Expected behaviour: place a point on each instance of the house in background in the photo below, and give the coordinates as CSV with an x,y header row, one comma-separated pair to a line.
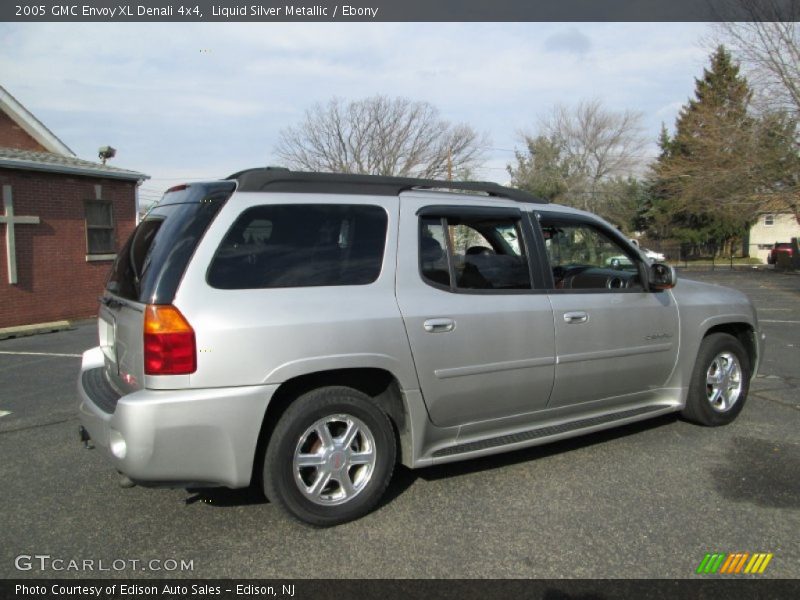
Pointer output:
x,y
771,228
62,221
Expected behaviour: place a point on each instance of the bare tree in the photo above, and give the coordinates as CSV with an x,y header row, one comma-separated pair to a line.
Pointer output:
x,y
769,47
589,144
380,136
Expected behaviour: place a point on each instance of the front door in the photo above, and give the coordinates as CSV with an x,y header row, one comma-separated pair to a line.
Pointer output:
x,y
615,340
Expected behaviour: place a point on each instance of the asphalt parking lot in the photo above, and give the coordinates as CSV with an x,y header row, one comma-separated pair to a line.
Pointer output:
x,y
648,500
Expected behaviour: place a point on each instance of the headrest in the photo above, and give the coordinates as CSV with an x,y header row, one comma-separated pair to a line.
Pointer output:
x,y
473,250
431,250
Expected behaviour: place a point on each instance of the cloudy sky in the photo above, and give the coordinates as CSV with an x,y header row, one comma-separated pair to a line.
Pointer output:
x,y
197,101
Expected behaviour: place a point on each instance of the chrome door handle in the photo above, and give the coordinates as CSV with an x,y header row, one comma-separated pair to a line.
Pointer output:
x,y
439,325
576,317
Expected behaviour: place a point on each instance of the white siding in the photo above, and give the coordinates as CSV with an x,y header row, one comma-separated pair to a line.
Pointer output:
x,y
762,236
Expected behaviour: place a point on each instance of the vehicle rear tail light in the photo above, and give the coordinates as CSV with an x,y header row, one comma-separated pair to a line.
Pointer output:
x,y
169,344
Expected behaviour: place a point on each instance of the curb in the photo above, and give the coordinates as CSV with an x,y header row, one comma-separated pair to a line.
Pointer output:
x,y
34,329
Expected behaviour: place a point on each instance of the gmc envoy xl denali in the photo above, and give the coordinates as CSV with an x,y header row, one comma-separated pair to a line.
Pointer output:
x,y
305,331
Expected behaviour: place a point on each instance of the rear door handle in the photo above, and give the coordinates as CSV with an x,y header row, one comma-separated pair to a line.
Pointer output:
x,y
576,317
439,325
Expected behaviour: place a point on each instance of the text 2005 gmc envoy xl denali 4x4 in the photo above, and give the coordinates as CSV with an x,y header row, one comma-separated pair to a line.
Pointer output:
x,y
305,331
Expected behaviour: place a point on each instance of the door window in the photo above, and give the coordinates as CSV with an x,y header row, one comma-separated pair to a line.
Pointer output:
x,y
583,256
473,253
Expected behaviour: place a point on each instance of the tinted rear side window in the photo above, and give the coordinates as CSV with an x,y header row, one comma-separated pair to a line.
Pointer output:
x,y
130,267
152,262
301,245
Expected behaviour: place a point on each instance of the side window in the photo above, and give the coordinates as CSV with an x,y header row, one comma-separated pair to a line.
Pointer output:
x,y
301,245
583,256
473,253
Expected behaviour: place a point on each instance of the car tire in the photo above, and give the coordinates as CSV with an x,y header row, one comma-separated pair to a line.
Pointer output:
x,y
314,472
720,381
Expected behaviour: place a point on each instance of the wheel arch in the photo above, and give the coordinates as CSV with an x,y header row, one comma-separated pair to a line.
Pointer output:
x,y
381,385
698,406
745,333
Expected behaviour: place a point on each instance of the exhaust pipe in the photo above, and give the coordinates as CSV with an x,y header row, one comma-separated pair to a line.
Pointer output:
x,y
85,438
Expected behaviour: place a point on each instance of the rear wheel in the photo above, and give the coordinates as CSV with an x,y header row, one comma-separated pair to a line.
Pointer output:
x,y
330,456
720,381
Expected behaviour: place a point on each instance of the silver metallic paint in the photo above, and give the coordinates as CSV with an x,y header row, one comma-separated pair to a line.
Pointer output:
x,y
492,375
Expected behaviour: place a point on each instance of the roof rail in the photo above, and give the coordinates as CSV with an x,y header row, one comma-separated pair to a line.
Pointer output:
x,y
277,179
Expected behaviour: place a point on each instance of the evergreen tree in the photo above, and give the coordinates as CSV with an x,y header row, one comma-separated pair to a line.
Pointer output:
x,y
722,165
541,169
698,173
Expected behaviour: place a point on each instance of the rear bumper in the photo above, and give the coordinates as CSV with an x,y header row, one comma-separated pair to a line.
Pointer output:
x,y
175,436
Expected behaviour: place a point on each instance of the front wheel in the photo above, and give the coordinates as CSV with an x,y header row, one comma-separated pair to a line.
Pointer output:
x,y
330,456
720,381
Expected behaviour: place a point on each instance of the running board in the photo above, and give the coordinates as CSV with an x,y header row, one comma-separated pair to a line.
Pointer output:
x,y
533,434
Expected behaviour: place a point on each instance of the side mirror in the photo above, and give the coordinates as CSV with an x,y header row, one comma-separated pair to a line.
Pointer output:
x,y
662,277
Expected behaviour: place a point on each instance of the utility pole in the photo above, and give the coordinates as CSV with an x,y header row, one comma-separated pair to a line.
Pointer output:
x,y
449,163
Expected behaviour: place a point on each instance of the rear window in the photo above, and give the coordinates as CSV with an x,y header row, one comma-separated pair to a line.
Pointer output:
x,y
131,264
301,245
150,266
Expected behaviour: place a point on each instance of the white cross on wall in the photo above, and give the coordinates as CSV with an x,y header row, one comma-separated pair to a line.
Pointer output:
x,y
10,220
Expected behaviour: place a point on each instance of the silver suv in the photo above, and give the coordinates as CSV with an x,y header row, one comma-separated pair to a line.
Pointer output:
x,y
306,331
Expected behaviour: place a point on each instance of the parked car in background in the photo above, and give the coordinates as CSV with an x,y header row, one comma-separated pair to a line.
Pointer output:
x,y
651,254
778,248
621,261
305,332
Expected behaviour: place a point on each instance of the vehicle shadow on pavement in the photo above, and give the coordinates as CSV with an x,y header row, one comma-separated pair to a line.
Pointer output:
x,y
760,472
497,461
223,497
403,477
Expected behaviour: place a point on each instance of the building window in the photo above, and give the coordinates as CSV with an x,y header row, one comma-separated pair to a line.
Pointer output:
x,y
769,220
99,227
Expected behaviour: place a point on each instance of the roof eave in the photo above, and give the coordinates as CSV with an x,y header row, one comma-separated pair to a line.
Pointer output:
x,y
28,165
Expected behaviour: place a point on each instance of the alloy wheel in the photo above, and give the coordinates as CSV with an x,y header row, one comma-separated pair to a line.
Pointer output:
x,y
724,381
334,459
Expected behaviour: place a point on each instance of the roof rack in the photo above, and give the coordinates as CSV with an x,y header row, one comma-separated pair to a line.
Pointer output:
x,y
277,179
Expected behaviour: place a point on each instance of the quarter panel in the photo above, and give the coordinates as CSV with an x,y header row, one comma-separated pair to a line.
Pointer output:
x,y
255,336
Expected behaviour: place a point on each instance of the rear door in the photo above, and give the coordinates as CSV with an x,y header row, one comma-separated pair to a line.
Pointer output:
x,y
481,333
148,270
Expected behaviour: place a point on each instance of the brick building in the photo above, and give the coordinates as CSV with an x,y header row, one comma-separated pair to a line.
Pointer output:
x,y
61,222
